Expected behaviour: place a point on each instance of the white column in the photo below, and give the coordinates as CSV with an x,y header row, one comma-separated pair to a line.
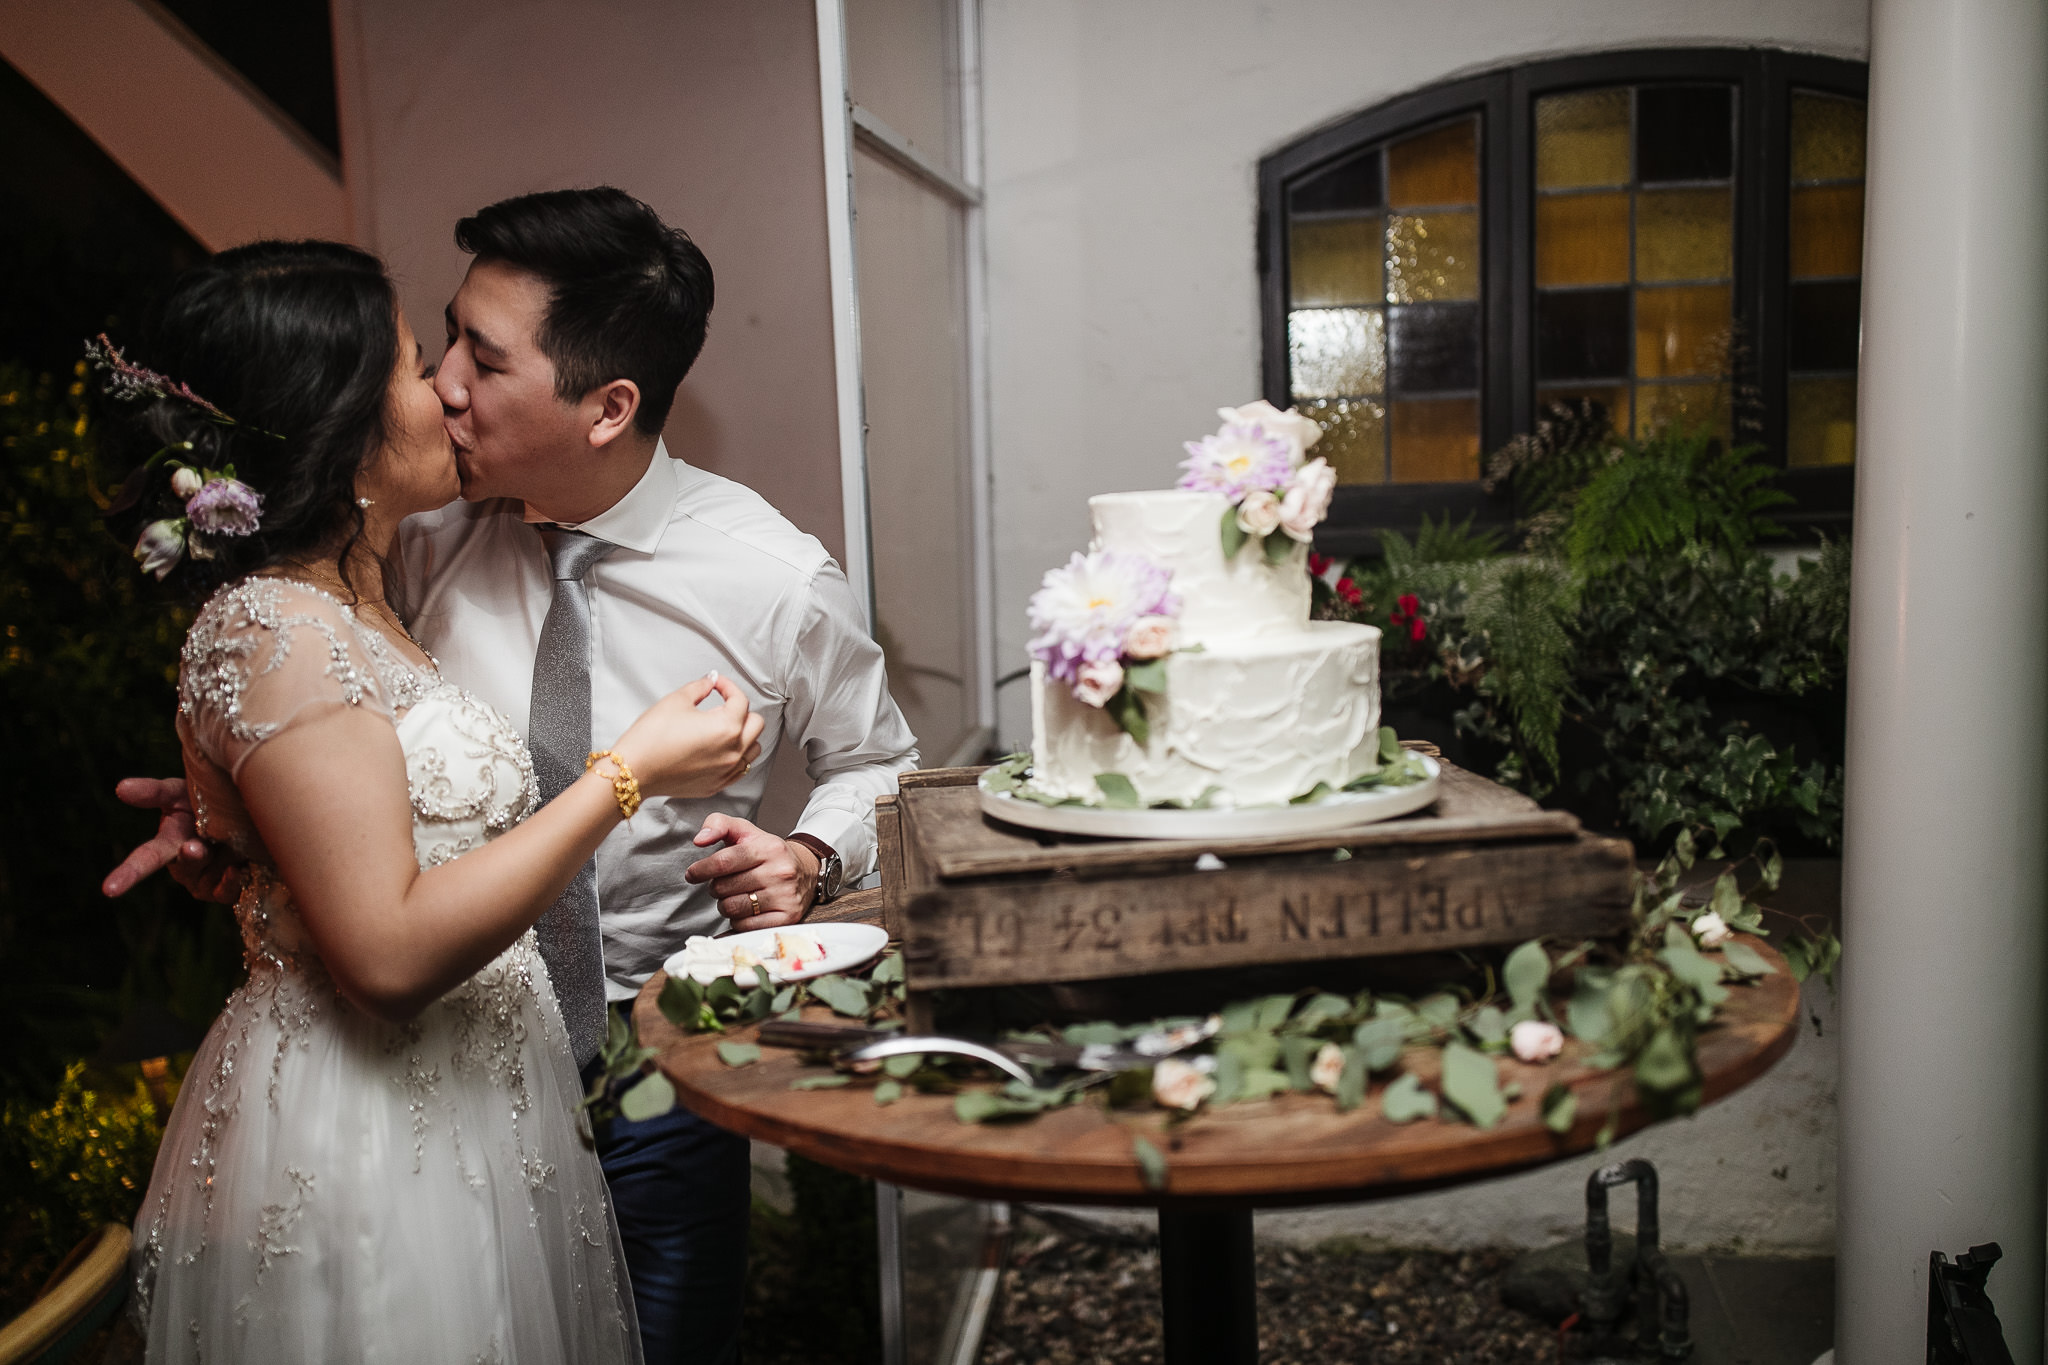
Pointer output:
x,y
1943,897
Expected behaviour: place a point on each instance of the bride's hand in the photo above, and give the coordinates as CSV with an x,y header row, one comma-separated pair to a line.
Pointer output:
x,y
677,749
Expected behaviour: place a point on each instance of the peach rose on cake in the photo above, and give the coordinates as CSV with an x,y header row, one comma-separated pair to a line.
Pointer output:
x,y
1307,499
1150,637
1259,513
1099,680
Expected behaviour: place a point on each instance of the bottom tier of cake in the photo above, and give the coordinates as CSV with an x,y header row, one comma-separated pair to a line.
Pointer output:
x,y
1264,719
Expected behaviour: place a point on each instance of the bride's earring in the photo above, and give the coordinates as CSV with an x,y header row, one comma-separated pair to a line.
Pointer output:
x,y
362,502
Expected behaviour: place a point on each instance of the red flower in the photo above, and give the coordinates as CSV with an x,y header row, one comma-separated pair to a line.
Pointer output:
x,y
1348,590
1408,613
1318,564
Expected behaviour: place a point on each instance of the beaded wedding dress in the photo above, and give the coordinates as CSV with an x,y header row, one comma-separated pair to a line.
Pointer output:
x,y
332,1187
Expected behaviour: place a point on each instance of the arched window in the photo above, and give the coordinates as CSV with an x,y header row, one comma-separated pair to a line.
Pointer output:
x,y
1666,234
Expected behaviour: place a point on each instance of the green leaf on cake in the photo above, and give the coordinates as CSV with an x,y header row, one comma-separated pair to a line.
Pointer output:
x,y
1390,744
1233,534
1277,547
1117,791
1128,711
1149,676
1315,793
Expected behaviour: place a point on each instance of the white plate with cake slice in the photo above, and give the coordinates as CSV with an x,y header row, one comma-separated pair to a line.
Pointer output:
x,y
1327,814
796,953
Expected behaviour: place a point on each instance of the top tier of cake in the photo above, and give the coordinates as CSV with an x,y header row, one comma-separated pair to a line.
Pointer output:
x,y
1220,599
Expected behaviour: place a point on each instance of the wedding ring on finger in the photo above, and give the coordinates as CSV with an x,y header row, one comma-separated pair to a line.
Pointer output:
x,y
753,902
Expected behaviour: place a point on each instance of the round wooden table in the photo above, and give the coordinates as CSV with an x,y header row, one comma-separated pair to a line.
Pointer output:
x,y
1290,1149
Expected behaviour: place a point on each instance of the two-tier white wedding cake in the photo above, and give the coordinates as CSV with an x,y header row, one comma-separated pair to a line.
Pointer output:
x,y
1178,653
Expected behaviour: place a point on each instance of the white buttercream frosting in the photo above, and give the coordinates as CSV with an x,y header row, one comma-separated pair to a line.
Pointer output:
x,y
1183,531
1264,716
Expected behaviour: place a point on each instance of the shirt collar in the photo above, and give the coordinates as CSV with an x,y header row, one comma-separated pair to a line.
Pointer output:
x,y
636,521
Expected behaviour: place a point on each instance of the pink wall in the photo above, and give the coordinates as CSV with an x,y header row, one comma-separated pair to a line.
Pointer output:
x,y
707,110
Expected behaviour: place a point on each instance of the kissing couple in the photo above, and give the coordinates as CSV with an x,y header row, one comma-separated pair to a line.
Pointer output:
x,y
481,679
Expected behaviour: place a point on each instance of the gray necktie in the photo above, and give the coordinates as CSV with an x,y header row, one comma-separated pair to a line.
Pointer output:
x,y
558,732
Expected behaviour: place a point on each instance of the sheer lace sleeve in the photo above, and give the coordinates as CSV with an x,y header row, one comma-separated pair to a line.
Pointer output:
x,y
265,655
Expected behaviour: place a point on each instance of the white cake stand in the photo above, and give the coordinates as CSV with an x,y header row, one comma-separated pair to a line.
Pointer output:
x,y
1326,814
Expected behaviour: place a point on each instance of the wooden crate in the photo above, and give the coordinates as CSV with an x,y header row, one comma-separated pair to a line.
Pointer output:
x,y
982,903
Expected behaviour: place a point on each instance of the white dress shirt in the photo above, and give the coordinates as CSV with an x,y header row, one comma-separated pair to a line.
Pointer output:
x,y
706,575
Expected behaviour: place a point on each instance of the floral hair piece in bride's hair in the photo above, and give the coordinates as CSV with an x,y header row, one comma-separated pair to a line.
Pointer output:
x,y
216,503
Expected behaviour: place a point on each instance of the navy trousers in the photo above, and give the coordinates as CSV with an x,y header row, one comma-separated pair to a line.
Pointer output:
x,y
682,1188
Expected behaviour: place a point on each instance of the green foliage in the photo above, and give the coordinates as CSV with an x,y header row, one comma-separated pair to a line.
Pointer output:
x,y
1620,499
67,1168
1519,611
88,665
1640,657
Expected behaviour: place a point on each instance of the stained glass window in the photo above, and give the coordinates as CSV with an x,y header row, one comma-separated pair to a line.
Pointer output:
x,y
1823,290
1674,235
1383,295
1635,250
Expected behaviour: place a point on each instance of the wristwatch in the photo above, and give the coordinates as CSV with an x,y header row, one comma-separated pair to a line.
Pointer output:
x,y
831,871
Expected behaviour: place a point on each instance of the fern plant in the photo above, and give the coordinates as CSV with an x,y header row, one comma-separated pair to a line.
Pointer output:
x,y
1621,498
1640,619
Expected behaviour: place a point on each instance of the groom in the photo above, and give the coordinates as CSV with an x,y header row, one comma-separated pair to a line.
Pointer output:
x,y
585,574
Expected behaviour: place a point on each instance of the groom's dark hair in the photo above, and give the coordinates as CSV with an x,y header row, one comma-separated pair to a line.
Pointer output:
x,y
629,296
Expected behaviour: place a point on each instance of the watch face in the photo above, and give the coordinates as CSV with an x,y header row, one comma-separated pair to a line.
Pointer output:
x,y
829,873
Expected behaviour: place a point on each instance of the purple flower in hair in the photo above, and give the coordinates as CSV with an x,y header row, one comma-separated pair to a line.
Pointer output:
x,y
1242,458
225,507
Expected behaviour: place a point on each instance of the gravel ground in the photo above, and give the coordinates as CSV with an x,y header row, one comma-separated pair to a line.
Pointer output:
x,y
1072,1297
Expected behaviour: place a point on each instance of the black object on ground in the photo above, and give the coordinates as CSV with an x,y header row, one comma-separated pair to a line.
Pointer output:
x,y
1962,1323
1643,1310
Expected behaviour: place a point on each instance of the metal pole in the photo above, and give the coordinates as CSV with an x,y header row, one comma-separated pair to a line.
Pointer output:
x,y
889,1251
1943,886
1206,1288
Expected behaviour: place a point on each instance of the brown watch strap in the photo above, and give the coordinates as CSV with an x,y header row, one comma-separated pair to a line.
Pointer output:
x,y
824,851
815,845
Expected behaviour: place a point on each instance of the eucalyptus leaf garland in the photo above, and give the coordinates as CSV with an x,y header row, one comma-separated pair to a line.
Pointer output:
x,y
1637,1006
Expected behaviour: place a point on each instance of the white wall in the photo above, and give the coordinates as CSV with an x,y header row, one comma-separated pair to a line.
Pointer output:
x,y
1123,139
707,111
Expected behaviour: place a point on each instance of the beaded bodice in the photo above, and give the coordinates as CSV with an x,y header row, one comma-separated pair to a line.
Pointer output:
x,y
267,654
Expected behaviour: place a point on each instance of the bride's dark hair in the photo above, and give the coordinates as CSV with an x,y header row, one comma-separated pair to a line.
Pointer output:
x,y
296,342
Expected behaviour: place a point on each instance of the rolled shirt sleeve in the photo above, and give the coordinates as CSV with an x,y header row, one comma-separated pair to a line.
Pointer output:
x,y
854,738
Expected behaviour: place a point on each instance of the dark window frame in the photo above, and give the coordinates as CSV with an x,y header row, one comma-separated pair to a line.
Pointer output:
x,y
1764,79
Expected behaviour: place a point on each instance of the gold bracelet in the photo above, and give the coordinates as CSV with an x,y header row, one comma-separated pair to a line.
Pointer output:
x,y
625,787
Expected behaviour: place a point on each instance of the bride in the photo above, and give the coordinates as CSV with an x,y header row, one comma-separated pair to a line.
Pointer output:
x,y
375,1153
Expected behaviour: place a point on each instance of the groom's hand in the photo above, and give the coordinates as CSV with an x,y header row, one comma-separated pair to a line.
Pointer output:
x,y
208,871
761,880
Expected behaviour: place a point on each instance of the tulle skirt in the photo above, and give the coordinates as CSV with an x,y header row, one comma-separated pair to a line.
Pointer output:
x,y
336,1188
